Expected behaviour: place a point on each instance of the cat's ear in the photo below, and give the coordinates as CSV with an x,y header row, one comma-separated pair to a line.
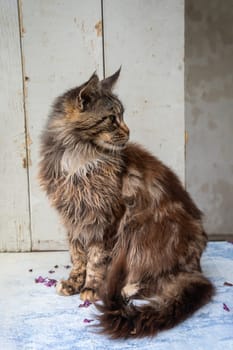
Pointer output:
x,y
88,92
109,82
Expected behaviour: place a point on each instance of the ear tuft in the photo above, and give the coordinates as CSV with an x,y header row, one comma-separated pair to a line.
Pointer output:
x,y
88,92
109,82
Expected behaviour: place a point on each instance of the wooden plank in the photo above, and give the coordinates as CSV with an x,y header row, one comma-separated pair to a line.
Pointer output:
x,y
62,46
14,211
147,38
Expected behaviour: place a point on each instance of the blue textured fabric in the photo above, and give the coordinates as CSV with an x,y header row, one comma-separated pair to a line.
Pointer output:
x,y
33,316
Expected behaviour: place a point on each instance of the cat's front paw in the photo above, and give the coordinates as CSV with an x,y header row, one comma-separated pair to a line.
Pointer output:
x,y
67,288
89,294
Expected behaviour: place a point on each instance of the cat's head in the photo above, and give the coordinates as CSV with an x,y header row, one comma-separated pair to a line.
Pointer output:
x,y
91,113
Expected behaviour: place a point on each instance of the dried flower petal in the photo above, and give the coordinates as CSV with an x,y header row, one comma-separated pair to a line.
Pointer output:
x,y
228,284
86,320
225,307
40,279
86,303
48,282
67,266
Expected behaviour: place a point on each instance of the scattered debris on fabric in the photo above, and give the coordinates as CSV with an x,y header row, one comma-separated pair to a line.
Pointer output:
x,y
86,303
86,320
67,266
226,308
228,284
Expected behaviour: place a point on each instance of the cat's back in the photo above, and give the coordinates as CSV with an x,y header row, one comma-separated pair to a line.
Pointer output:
x,y
137,158
157,179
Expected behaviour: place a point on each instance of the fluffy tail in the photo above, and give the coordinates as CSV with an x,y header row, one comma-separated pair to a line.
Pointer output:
x,y
181,296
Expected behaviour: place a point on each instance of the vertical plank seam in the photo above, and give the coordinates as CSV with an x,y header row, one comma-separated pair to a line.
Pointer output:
x,y
26,129
103,42
185,121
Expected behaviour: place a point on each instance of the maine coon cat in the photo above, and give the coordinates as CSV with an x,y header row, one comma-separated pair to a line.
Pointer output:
x,y
133,230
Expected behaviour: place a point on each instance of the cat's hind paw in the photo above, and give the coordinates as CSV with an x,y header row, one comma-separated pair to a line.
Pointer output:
x,y
89,294
129,290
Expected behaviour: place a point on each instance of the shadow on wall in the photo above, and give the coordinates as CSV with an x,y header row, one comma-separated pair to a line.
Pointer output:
x,y
208,110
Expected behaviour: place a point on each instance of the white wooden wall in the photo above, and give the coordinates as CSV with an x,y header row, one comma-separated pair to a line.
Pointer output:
x,y
14,202
48,47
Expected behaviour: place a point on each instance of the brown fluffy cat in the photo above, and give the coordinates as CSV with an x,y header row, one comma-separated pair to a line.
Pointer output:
x,y
134,232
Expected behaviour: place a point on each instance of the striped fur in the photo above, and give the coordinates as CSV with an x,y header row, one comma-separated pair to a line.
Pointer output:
x,y
134,232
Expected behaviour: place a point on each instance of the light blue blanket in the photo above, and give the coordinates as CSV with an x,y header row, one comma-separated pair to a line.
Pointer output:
x,y
33,316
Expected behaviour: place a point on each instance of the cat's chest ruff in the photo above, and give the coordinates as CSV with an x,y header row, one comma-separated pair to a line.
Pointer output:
x,y
74,163
89,188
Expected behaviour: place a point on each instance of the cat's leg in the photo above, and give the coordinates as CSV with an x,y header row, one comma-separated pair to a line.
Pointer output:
x,y
77,276
97,259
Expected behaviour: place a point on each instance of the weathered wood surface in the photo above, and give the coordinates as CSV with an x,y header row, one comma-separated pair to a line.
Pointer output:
x,y
14,211
62,47
62,44
147,39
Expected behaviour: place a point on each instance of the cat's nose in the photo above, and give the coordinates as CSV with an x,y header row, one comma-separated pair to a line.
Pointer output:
x,y
125,128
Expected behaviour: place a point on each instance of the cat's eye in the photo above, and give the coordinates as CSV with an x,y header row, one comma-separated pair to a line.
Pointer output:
x,y
112,117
